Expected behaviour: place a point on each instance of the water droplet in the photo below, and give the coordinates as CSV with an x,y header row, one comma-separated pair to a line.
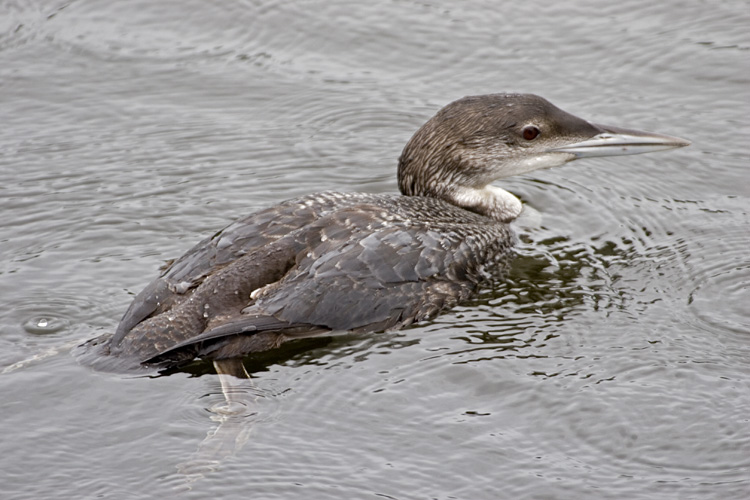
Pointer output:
x,y
40,325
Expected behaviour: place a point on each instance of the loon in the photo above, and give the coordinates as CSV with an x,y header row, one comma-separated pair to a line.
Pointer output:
x,y
359,262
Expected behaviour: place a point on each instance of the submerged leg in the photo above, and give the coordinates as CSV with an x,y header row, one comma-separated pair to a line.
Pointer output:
x,y
234,418
234,381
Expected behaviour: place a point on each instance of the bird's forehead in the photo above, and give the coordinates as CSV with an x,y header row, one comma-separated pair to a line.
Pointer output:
x,y
508,109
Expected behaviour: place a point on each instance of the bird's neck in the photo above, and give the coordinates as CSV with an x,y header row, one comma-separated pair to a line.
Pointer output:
x,y
449,185
437,166
492,201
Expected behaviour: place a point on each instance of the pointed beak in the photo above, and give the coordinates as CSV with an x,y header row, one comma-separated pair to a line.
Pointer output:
x,y
614,141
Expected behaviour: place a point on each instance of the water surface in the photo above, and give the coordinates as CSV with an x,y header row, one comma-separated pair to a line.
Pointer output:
x,y
612,363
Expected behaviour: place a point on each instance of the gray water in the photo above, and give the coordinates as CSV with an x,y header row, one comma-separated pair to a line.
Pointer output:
x,y
613,363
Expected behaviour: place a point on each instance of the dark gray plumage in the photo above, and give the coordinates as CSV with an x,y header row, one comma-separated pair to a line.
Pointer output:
x,y
362,262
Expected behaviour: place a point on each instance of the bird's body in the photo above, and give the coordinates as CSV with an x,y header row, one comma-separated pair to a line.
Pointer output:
x,y
361,262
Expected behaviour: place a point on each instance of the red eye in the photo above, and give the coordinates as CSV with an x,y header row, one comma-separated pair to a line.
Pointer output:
x,y
530,132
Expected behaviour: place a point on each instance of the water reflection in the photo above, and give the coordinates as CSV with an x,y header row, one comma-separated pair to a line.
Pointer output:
x,y
234,418
548,283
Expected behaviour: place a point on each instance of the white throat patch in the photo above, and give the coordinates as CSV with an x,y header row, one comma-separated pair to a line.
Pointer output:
x,y
498,200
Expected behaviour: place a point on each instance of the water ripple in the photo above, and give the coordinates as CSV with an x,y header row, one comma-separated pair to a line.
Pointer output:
x,y
611,363
720,289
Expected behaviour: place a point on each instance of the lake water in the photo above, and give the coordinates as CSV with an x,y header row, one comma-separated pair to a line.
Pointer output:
x,y
613,363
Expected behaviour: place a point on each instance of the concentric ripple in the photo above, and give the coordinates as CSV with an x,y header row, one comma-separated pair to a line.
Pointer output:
x,y
720,296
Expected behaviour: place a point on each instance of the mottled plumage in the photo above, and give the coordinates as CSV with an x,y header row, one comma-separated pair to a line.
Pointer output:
x,y
361,262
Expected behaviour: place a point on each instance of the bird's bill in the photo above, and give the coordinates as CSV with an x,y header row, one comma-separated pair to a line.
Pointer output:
x,y
615,141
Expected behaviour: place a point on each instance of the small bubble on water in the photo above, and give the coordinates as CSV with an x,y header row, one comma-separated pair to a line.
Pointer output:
x,y
41,325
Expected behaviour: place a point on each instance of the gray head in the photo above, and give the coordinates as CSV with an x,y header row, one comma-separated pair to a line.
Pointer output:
x,y
476,140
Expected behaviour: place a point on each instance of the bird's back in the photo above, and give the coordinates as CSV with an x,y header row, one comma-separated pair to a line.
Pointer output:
x,y
324,262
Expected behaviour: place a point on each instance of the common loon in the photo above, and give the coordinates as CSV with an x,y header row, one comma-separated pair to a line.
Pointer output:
x,y
362,262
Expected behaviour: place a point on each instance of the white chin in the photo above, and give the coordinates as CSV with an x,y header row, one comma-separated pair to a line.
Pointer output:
x,y
539,162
